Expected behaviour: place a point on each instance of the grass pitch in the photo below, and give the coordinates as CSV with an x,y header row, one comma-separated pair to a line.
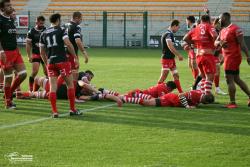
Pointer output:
x,y
131,136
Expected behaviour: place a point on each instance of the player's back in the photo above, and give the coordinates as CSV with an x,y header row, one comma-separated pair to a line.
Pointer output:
x,y
166,52
8,33
53,39
34,35
194,97
74,31
203,36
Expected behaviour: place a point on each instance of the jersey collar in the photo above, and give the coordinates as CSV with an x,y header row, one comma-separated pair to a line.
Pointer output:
x,y
7,17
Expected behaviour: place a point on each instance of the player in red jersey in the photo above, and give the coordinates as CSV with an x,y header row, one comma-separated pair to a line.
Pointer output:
x,y
52,43
10,57
203,36
218,61
231,40
168,55
188,100
190,21
32,45
154,91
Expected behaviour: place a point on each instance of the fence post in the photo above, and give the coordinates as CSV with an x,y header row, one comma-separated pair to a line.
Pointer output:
x,y
145,29
104,33
29,26
125,30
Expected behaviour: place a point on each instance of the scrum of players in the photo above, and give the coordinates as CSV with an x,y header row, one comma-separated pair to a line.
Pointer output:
x,y
209,44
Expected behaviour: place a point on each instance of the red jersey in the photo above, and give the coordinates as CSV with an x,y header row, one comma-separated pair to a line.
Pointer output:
x,y
230,35
158,90
203,36
193,97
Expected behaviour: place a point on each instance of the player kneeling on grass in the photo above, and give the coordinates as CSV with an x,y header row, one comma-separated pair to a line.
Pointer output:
x,y
189,99
154,91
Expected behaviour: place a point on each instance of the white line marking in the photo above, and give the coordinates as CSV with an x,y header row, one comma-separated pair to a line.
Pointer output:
x,y
48,118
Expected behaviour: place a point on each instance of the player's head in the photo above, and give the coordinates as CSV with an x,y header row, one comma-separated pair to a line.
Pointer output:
x,y
77,17
6,7
225,19
171,85
175,25
13,14
190,21
205,19
207,99
55,19
40,20
89,74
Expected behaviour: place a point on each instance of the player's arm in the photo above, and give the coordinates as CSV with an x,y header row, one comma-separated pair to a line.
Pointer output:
x,y
29,46
241,41
80,45
70,48
184,101
42,49
171,47
88,87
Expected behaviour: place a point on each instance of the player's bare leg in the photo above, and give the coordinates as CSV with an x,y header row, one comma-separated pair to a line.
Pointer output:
x,y
177,80
52,95
231,90
243,86
163,76
71,94
114,98
217,81
35,69
20,77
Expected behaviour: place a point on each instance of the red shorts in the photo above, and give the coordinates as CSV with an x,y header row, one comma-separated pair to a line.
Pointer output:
x,y
232,64
131,93
169,100
216,60
57,69
71,59
13,57
168,64
36,58
191,54
206,64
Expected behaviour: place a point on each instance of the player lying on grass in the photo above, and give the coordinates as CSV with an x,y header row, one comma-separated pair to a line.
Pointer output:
x,y
84,90
189,99
154,91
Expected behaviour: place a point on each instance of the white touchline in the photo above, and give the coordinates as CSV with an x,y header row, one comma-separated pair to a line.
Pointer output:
x,y
48,118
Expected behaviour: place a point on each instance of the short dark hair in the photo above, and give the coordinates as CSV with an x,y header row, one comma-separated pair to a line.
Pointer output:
x,y
77,15
171,84
175,23
226,15
2,3
209,98
205,18
191,19
54,17
40,18
89,72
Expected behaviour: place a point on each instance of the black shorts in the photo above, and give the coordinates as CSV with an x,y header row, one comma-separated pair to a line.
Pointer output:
x,y
158,102
37,60
232,72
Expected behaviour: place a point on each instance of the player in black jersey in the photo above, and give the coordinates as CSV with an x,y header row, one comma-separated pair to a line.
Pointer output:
x,y
32,43
168,55
10,57
75,37
52,43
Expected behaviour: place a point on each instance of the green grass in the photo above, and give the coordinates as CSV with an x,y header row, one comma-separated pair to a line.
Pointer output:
x,y
131,136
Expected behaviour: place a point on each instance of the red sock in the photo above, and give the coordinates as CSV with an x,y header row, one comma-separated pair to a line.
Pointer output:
x,y
132,100
203,85
15,84
217,81
31,83
7,94
195,73
75,83
52,98
71,97
178,85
